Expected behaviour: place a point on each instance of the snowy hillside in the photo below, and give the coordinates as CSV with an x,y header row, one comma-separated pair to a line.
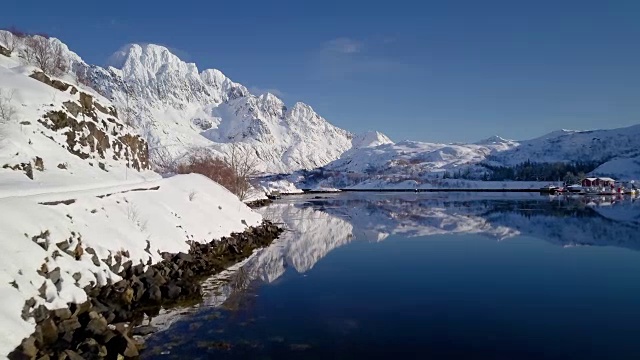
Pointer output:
x,y
406,164
569,145
178,108
378,163
62,136
78,200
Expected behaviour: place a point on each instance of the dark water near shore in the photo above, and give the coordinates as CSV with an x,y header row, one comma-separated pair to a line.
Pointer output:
x,y
476,276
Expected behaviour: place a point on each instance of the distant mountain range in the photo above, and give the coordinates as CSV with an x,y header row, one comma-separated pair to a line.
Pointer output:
x,y
176,107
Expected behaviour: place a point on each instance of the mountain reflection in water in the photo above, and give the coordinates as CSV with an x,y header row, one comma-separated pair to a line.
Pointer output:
x,y
569,302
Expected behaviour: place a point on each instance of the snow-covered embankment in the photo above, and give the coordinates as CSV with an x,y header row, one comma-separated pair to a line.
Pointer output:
x,y
76,235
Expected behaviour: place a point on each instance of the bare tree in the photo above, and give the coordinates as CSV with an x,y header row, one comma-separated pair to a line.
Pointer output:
x,y
244,163
201,161
7,110
126,110
46,54
82,77
10,40
162,160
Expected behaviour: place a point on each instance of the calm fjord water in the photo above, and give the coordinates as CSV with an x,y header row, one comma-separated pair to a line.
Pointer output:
x,y
494,276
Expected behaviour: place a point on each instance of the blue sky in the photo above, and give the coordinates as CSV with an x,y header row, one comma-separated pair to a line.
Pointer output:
x,y
431,70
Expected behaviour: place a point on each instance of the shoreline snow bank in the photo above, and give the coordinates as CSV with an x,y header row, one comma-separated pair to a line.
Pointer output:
x,y
85,232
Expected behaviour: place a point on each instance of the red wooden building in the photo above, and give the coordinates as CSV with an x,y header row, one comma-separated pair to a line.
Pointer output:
x,y
598,182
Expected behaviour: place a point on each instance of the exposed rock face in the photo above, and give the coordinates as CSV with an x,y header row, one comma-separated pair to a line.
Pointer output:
x,y
57,84
4,51
93,135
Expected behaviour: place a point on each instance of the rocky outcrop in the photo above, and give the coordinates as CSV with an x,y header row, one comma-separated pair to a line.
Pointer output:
x,y
105,326
57,84
84,138
4,51
259,203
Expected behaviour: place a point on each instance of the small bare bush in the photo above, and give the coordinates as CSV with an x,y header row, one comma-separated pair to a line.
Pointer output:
x,y
81,77
16,32
192,195
244,163
134,216
47,55
162,160
202,162
126,110
10,40
7,110
234,171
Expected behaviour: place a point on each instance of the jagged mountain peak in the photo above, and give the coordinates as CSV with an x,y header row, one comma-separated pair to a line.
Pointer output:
x,y
216,78
148,61
270,99
492,140
370,139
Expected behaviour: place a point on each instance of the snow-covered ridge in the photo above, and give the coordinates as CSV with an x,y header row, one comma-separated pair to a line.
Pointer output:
x,y
423,165
370,139
177,107
566,145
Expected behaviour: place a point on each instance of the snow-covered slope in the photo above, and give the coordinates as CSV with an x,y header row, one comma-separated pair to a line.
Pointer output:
x,y
417,164
77,199
369,139
620,168
178,108
62,136
379,163
570,145
85,236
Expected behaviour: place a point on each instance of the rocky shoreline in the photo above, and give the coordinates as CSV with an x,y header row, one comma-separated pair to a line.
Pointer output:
x,y
259,203
105,325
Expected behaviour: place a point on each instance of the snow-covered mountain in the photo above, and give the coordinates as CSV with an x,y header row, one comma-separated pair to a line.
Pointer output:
x,y
571,145
380,163
177,107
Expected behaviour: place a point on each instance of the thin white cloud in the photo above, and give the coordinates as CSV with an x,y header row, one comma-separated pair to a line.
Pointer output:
x,y
256,90
343,45
343,57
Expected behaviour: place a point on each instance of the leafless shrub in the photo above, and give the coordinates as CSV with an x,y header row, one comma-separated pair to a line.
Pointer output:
x,y
47,55
134,216
7,110
162,160
192,195
81,76
202,162
10,40
126,110
16,32
243,162
232,173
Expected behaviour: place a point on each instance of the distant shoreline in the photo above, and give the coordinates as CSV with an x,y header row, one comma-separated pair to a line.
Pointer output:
x,y
309,191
